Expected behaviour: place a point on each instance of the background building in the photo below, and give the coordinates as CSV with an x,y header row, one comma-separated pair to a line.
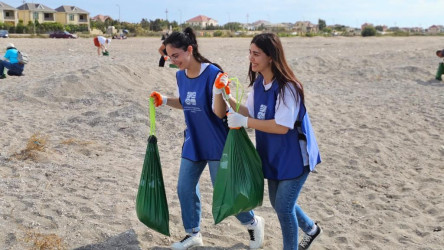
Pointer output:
x,y
202,21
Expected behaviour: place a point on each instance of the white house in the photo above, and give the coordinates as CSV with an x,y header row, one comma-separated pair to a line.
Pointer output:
x,y
202,21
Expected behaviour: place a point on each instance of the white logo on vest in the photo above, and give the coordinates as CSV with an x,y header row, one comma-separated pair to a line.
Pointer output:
x,y
262,111
191,98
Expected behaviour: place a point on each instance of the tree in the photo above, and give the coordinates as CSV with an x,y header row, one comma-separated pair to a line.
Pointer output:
x,y
321,24
233,26
145,24
379,28
368,31
158,25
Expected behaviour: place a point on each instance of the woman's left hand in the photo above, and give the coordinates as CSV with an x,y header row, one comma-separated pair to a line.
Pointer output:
x,y
236,120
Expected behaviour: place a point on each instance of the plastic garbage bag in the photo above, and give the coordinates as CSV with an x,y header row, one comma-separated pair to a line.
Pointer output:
x,y
151,202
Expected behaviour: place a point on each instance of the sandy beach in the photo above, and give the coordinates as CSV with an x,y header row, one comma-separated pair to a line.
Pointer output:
x,y
377,111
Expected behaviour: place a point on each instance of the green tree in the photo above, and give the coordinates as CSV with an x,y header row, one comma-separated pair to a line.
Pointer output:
x,y
368,31
321,24
339,27
261,27
233,26
158,25
145,24
379,28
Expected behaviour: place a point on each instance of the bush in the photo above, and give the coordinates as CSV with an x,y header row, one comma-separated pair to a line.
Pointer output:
x,y
217,33
368,31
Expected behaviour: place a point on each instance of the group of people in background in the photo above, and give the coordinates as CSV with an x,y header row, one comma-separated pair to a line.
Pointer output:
x,y
275,108
11,61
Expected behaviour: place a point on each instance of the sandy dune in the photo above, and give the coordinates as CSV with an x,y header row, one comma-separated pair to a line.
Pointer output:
x,y
377,111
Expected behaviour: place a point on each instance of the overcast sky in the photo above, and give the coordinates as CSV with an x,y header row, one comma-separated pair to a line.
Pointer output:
x,y
401,13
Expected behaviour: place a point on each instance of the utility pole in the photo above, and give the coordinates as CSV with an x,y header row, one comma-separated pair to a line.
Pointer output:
x,y
229,21
118,6
166,14
248,26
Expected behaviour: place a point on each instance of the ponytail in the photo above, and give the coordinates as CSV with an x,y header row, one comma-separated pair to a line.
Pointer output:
x,y
187,38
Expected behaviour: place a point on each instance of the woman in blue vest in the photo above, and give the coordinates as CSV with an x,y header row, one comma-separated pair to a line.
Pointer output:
x,y
205,135
284,137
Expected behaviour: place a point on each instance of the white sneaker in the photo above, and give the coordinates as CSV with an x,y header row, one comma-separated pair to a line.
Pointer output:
x,y
188,242
257,233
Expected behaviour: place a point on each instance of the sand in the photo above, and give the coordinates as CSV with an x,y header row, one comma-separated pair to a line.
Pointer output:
x,y
377,112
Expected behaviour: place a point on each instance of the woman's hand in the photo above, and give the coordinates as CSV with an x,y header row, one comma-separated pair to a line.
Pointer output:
x,y
159,100
236,120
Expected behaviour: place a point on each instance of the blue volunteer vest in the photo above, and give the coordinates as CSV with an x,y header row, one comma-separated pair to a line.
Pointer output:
x,y
281,154
205,133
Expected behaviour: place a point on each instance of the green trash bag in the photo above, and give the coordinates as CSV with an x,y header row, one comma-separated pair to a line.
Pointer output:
x,y
239,185
440,71
151,202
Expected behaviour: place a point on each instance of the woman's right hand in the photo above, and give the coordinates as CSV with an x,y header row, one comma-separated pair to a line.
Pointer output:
x,y
220,83
159,100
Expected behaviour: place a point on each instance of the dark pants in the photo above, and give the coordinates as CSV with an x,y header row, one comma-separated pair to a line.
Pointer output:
x,y
161,62
15,69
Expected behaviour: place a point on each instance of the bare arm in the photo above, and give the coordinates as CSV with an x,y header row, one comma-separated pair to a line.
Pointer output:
x,y
220,107
243,110
174,103
161,48
268,126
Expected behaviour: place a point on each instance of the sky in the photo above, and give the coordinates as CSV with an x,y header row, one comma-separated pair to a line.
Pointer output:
x,y
400,13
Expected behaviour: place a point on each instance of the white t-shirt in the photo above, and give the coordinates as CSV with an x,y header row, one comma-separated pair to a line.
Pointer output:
x,y
102,40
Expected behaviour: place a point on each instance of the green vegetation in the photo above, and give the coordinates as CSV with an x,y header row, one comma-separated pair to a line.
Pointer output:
x,y
322,24
368,31
232,29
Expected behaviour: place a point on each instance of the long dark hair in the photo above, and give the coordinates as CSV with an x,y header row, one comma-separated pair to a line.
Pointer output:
x,y
271,45
181,40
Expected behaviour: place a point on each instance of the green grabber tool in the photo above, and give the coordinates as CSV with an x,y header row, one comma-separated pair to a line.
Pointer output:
x,y
152,117
238,100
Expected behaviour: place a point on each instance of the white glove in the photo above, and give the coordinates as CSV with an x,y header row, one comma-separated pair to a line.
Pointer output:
x,y
220,83
236,120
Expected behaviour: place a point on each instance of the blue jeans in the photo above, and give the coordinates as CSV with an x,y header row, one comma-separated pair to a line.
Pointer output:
x,y
283,196
14,68
189,195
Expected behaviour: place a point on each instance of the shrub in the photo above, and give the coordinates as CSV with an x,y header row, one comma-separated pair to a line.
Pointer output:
x,y
368,31
37,142
217,33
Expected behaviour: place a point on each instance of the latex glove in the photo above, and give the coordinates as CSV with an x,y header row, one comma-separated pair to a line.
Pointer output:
x,y
166,58
236,120
220,83
159,100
